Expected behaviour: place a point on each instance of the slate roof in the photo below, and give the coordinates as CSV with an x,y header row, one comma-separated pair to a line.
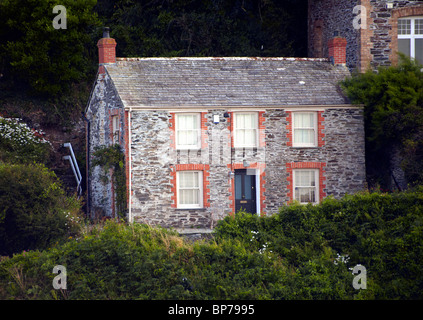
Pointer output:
x,y
188,82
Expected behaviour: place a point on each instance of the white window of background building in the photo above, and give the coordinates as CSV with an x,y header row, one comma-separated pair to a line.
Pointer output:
x,y
410,37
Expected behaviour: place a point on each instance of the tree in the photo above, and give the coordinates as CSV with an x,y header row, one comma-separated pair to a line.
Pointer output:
x,y
36,55
206,27
393,99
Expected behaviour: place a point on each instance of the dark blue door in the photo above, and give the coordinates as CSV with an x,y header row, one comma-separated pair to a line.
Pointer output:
x,y
245,190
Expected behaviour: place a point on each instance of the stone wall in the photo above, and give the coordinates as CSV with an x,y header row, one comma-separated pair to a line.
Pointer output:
x,y
103,104
327,17
155,161
374,46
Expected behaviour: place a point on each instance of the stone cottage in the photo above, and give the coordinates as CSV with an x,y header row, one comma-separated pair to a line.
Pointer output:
x,y
205,137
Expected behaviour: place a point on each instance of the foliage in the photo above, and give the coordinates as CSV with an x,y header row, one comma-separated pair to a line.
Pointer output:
x,y
34,210
206,27
19,143
393,99
37,55
113,158
303,252
52,70
137,261
383,232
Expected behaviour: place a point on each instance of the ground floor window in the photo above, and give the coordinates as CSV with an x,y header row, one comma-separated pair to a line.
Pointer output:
x,y
306,186
189,189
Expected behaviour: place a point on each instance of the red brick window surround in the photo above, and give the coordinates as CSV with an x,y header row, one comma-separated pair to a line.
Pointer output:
x,y
306,166
315,127
114,126
201,121
259,127
203,169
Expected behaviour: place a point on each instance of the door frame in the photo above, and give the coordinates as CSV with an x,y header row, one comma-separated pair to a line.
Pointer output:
x,y
257,188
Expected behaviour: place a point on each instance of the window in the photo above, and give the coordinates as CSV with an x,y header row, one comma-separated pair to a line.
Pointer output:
x,y
305,124
305,186
410,37
115,129
189,189
245,130
188,131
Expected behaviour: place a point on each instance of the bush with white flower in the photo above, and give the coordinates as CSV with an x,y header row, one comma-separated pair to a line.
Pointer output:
x,y
20,143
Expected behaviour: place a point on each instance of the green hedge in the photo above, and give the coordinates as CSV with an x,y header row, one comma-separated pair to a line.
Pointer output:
x,y
140,262
303,252
34,210
383,232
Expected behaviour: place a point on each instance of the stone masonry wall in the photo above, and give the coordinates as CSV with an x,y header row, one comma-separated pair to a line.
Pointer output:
x,y
373,46
103,104
326,17
155,161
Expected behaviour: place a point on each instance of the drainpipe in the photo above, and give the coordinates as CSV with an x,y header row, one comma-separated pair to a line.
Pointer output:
x,y
87,167
130,218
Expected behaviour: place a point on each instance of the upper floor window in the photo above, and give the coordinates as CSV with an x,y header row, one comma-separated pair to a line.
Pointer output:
x,y
410,37
245,130
188,131
115,129
305,129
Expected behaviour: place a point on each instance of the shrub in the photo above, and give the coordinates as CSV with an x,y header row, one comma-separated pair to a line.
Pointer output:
x,y
137,261
303,252
19,143
393,99
383,232
35,212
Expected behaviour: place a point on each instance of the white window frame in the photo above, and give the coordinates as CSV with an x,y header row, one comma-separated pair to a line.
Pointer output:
x,y
412,36
178,129
235,133
314,128
199,188
115,129
316,187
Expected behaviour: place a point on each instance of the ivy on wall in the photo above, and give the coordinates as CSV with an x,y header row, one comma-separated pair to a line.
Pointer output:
x,y
112,160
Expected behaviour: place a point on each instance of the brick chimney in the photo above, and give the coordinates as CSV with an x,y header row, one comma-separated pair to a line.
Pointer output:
x,y
338,50
106,50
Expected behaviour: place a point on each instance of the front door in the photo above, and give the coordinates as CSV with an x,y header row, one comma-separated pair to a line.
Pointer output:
x,y
245,190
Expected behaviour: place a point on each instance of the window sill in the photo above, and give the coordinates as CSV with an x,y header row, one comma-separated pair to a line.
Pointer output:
x,y
248,148
191,209
188,149
305,147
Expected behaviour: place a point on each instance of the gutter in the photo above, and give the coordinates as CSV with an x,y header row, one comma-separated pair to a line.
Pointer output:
x,y
189,108
87,147
87,167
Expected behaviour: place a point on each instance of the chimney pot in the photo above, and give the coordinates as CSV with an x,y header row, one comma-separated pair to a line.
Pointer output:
x,y
106,32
